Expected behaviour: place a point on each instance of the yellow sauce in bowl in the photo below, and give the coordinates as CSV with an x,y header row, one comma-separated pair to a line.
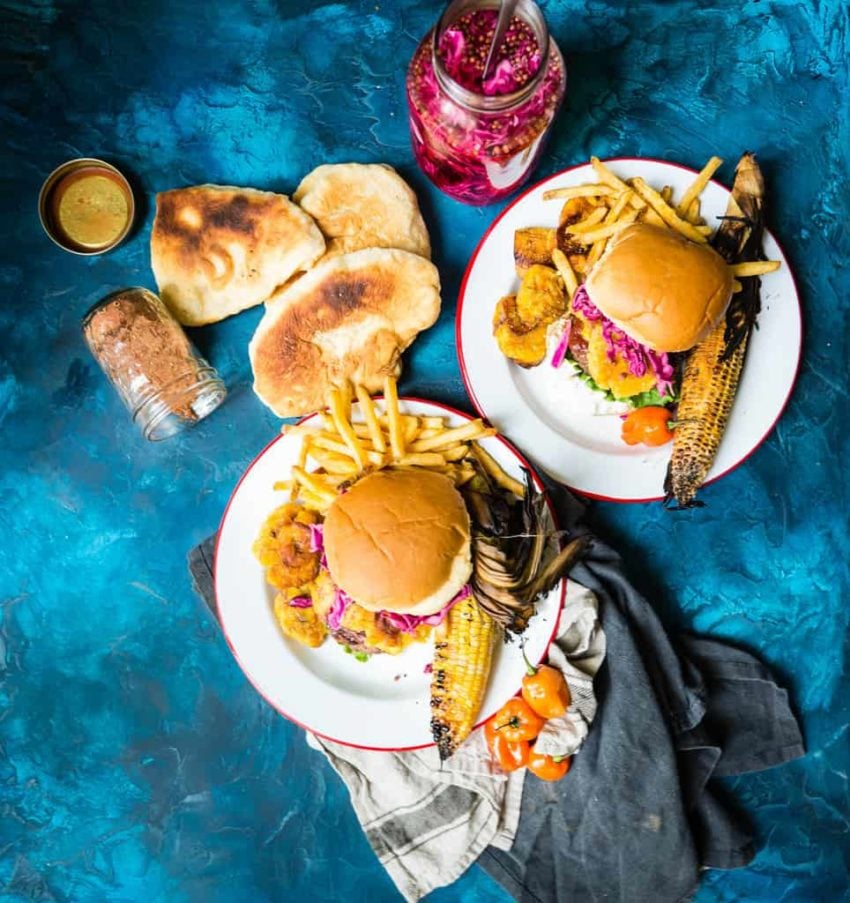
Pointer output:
x,y
91,208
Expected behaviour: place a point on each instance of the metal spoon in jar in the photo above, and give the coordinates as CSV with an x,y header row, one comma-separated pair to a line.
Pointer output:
x,y
506,13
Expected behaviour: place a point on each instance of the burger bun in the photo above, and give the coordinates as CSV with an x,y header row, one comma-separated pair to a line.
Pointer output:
x,y
661,289
399,541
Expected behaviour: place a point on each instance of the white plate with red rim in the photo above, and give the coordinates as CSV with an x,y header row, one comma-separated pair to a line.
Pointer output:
x,y
584,450
379,704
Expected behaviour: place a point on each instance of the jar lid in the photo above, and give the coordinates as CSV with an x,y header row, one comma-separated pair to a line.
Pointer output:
x,y
86,206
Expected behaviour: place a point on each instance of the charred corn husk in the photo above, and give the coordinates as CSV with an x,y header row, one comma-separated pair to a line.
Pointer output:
x,y
713,369
511,568
463,652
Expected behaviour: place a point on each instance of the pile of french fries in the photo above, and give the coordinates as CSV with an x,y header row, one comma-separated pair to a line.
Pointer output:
x,y
620,203
339,449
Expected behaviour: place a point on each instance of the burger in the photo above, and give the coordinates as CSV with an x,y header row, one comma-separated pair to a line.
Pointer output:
x,y
398,556
652,294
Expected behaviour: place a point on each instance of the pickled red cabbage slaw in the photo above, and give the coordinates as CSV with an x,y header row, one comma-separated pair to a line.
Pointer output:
x,y
301,602
404,623
317,542
409,623
563,345
341,601
618,344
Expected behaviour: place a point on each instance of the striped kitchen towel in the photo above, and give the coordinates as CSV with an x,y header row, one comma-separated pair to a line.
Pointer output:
x,y
428,823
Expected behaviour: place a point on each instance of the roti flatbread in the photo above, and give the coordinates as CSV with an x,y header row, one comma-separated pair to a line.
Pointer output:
x,y
348,318
361,205
216,250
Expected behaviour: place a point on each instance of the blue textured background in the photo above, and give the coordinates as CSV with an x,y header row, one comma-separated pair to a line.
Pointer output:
x,y
136,763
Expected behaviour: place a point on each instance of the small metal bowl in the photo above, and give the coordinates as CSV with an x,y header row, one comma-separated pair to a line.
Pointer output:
x,y
93,218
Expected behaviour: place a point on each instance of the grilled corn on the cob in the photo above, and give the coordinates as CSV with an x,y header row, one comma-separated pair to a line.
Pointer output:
x,y
713,369
463,652
708,390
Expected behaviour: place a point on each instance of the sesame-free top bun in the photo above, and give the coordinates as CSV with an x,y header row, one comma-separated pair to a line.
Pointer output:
x,y
660,288
398,541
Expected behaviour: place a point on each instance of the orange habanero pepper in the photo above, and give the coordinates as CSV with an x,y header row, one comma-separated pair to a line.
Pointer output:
x,y
651,426
545,689
509,756
516,721
548,768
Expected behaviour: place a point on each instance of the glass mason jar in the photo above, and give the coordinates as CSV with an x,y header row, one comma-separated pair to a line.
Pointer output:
x,y
163,381
479,141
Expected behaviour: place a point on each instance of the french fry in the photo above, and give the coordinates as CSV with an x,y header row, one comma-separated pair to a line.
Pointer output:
x,y
666,212
432,423
345,393
393,415
494,470
651,217
430,431
607,231
343,427
697,187
607,177
693,214
705,230
754,267
580,191
590,221
283,486
410,427
331,441
313,484
421,459
367,406
594,254
335,479
333,462
455,452
736,287
475,429
463,474
302,463
315,502
334,443
562,265
667,193
620,205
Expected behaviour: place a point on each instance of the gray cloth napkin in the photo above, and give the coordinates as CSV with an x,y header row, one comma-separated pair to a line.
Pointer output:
x,y
640,812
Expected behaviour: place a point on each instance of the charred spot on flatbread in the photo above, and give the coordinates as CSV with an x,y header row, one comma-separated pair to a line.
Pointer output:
x,y
216,250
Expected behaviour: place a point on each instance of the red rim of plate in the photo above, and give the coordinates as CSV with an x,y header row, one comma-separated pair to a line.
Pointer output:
x,y
517,454
462,297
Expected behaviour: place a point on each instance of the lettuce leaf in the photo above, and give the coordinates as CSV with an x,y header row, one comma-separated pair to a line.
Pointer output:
x,y
651,399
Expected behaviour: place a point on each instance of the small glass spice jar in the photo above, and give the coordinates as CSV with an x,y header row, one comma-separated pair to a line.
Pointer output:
x,y
478,140
165,384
